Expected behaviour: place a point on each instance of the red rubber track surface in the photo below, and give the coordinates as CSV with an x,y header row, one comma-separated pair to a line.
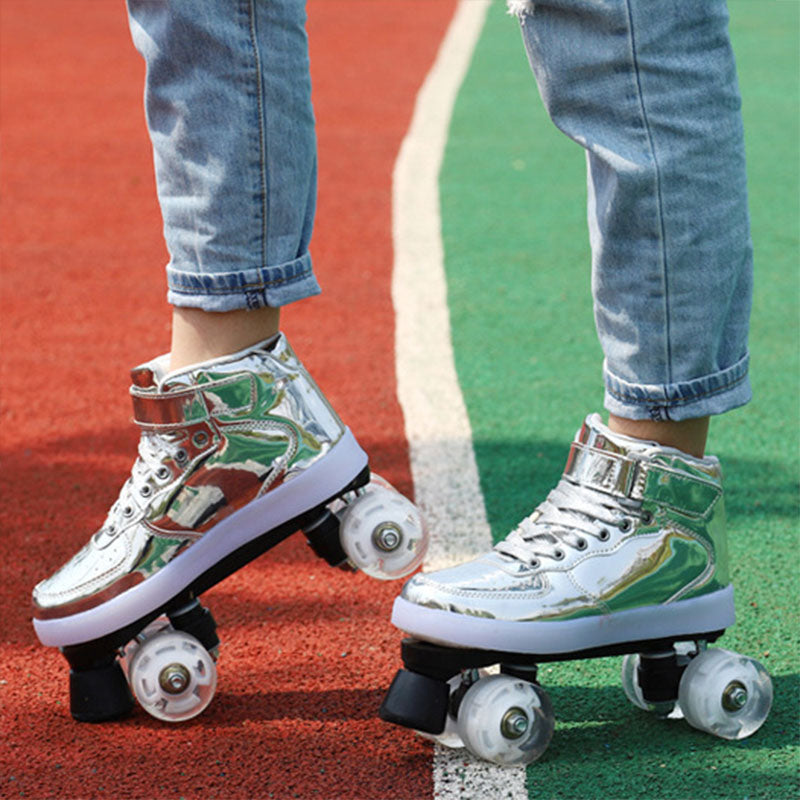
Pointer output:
x,y
307,650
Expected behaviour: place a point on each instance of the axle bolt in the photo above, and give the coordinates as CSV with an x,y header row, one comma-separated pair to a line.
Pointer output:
x,y
387,537
174,678
734,696
514,723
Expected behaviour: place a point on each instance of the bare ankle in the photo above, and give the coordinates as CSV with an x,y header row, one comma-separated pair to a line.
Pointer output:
x,y
687,435
199,335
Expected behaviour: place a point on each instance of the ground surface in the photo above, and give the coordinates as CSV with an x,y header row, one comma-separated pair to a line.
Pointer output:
x,y
307,650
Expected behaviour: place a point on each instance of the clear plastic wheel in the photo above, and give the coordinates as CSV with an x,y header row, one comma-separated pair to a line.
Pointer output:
x,y
158,625
506,720
630,684
630,681
172,675
450,737
382,532
726,694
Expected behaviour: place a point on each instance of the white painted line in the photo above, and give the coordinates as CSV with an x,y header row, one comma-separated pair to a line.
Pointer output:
x,y
446,484
443,465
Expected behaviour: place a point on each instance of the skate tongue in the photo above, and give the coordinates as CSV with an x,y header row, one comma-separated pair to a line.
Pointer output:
x,y
185,376
148,375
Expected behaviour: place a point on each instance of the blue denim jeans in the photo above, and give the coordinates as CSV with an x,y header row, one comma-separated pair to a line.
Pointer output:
x,y
228,107
649,89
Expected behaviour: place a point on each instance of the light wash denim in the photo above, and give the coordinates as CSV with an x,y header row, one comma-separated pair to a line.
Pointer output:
x,y
228,107
649,89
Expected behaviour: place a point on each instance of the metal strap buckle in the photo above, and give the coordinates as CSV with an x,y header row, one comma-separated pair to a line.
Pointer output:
x,y
605,471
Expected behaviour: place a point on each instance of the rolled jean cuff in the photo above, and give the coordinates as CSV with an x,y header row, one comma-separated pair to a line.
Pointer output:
x,y
712,394
250,289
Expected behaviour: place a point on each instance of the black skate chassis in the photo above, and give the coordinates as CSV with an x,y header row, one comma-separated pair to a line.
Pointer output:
x,y
420,696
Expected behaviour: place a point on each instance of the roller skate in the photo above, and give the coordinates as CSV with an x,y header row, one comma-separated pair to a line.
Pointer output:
x,y
626,556
235,455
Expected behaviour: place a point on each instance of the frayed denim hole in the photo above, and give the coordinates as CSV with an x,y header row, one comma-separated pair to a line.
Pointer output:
x,y
520,9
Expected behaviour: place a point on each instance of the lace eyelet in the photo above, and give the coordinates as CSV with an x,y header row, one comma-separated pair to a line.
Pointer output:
x,y
146,490
535,563
163,473
648,518
200,439
582,544
625,524
604,535
181,456
127,511
559,555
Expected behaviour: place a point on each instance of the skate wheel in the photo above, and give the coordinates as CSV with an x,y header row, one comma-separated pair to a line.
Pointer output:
x,y
450,737
630,685
630,681
506,720
172,675
382,532
158,625
726,694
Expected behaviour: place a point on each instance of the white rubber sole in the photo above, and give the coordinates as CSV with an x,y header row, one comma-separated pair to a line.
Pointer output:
x,y
302,492
711,612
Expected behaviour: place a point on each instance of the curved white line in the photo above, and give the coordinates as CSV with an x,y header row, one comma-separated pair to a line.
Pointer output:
x,y
443,465
446,484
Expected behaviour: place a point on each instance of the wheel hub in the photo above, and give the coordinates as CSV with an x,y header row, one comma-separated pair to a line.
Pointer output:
x,y
514,723
174,678
387,537
734,696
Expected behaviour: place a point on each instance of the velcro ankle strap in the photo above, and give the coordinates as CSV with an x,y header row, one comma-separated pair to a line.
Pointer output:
x,y
624,477
172,410
605,471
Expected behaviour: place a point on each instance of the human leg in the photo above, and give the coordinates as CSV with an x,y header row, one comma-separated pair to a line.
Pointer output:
x,y
239,447
630,546
199,335
650,92
228,105
687,435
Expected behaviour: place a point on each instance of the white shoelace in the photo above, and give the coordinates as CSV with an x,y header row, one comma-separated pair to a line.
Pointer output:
x,y
148,476
568,515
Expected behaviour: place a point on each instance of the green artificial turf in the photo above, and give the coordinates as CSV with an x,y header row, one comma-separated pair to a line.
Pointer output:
x,y
517,260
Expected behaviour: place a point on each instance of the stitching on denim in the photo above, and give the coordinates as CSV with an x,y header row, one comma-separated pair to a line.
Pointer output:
x,y
661,403
262,134
659,197
256,299
245,287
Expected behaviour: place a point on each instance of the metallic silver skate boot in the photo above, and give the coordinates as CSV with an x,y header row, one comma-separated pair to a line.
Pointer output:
x,y
626,556
235,454
630,545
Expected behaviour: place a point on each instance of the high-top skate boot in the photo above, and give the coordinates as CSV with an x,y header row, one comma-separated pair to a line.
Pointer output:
x,y
235,454
627,555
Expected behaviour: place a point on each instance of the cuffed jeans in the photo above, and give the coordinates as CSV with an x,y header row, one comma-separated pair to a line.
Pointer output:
x,y
228,107
647,87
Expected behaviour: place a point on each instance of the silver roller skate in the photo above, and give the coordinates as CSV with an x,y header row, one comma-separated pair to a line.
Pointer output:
x,y
235,455
626,556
